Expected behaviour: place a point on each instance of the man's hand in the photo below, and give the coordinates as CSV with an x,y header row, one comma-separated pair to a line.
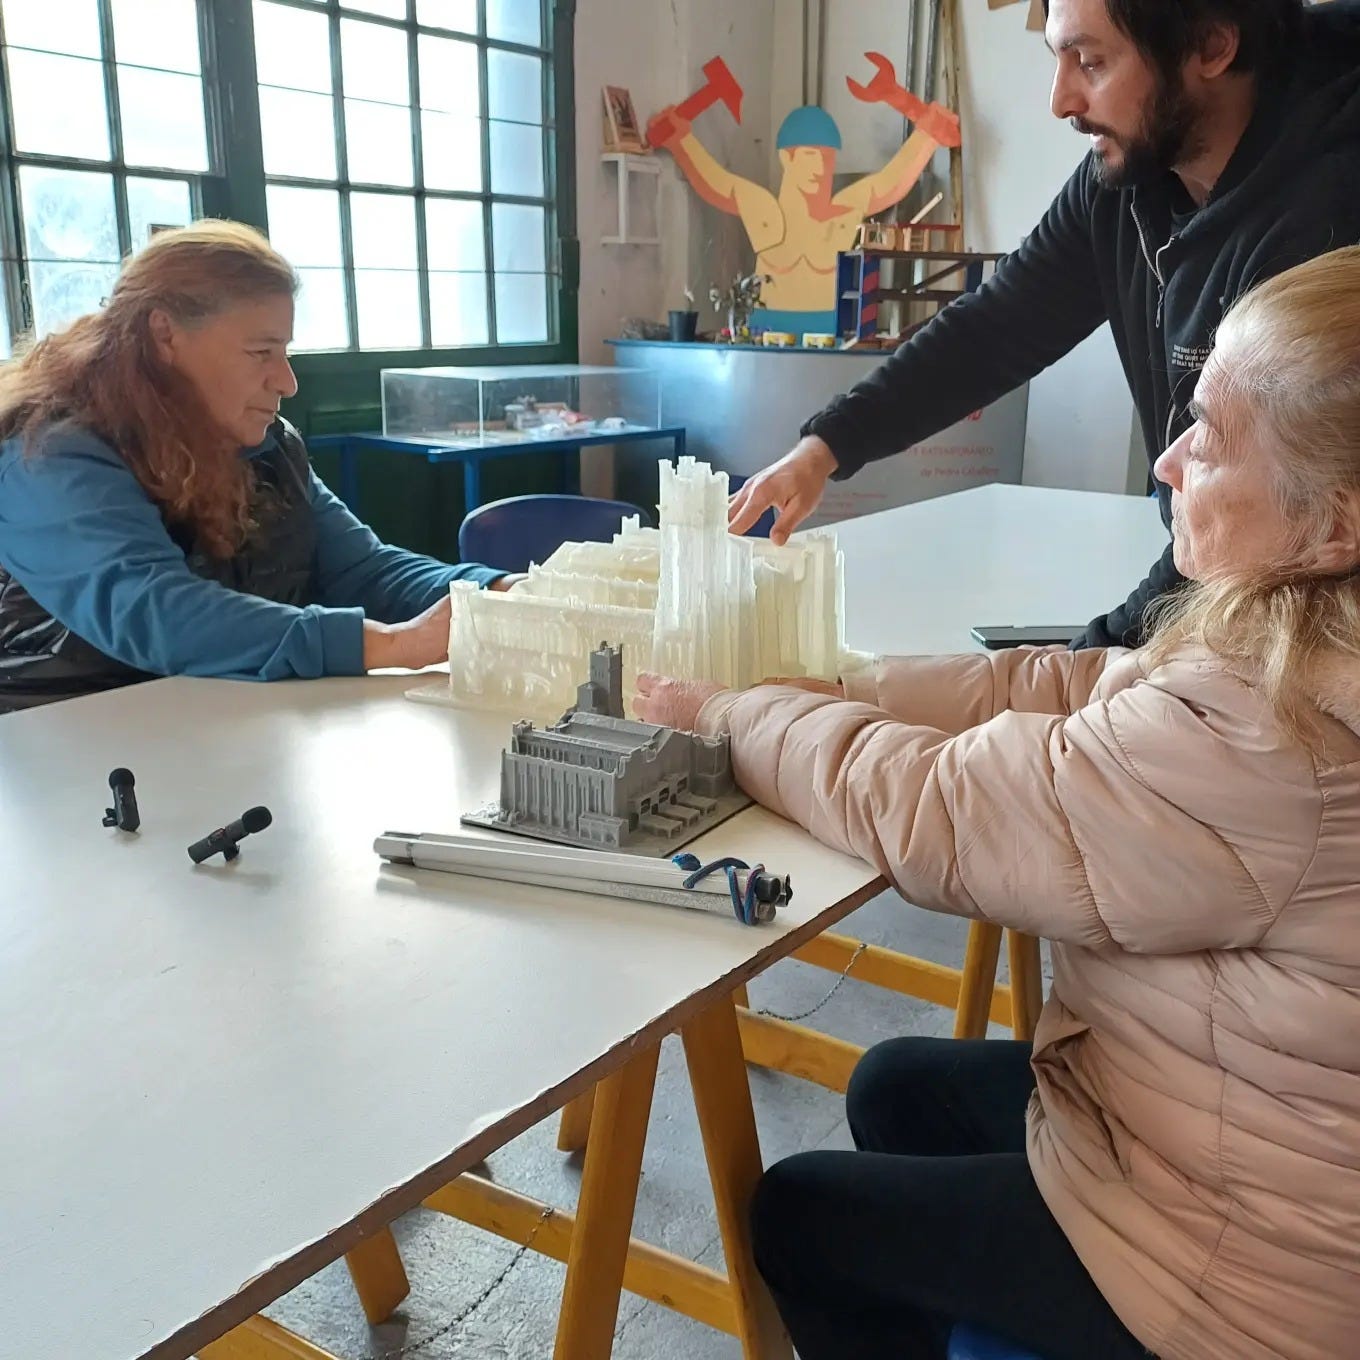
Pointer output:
x,y
418,642
508,582
666,128
672,703
794,485
806,682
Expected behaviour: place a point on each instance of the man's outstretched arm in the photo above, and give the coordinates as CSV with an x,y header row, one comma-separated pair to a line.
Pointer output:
x,y
1043,300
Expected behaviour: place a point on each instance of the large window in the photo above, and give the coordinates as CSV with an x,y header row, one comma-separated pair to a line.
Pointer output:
x,y
94,163
407,148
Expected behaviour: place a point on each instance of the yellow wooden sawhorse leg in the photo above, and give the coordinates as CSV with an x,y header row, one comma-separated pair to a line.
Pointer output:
x,y
379,1280
602,1257
596,1242
972,992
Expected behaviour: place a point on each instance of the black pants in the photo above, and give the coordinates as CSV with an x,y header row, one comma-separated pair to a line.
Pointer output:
x,y
935,1220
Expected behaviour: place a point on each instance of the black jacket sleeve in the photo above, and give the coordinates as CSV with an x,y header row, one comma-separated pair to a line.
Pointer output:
x,y
1123,627
1043,300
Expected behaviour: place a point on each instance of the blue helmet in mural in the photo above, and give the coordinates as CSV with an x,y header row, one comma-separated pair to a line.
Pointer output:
x,y
809,126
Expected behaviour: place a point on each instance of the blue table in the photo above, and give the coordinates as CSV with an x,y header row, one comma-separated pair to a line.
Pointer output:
x,y
473,456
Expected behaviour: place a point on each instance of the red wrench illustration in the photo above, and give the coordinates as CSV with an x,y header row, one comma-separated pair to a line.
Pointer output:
x,y
936,121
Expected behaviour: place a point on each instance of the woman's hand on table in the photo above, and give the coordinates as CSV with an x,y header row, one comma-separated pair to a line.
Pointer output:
x,y
419,642
672,703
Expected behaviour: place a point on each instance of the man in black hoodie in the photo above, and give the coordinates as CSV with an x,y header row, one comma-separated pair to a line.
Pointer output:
x,y
1225,147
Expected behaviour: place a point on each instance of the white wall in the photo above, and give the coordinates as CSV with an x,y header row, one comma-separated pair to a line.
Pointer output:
x,y
1016,157
657,49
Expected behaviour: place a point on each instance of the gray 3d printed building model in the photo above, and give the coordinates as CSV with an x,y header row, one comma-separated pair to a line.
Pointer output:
x,y
596,778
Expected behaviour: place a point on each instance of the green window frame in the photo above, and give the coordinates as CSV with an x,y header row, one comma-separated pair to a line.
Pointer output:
x,y
339,386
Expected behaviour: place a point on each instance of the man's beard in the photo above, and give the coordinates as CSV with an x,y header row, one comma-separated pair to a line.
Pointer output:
x,y
1166,137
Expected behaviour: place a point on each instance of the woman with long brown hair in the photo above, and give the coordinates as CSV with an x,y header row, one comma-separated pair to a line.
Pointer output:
x,y
158,517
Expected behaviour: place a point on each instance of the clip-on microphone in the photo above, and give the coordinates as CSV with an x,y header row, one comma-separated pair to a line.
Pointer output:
x,y
123,814
224,840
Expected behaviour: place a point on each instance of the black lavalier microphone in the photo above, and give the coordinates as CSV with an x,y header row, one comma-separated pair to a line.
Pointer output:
x,y
224,839
123,814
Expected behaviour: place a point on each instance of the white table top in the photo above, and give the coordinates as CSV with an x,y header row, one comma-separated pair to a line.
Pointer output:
x,y
919,577
214,1080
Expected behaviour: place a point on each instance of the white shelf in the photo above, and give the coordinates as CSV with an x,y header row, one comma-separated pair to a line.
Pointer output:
x,y
632,172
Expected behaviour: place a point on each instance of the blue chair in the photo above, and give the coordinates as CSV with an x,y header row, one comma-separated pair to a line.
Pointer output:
x,y
510,534
967,1343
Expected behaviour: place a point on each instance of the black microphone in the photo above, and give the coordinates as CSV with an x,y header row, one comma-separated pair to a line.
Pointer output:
x,y
123,814
224,839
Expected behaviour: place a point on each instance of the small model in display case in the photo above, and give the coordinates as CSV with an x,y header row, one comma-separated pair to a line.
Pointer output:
x,y
476,407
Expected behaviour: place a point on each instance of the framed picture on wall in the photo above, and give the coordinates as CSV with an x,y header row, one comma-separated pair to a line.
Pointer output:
x,y
621,130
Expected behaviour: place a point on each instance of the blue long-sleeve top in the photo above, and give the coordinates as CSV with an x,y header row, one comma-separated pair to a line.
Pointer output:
x,y
82,537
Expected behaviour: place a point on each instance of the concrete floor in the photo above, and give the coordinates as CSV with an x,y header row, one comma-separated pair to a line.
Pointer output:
x,y
450,1264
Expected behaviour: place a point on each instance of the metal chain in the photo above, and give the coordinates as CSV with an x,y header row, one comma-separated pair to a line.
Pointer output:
x,y
495,1284
458,1319
835,987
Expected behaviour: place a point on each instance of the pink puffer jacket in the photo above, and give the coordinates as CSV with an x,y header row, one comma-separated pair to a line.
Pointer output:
x,y
1196,1129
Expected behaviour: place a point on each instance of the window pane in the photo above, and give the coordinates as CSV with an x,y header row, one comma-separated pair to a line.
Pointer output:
x,y
161,33
54,26
459,15
77,124
63,291
383,231
518,21
389,9
389,308
374,61
378,140
319,318
298,132
304,225
156,203
449,77
453,152
453,235
517,159
521,309
151,136
514,86
68,214
517,232
458,309
292,48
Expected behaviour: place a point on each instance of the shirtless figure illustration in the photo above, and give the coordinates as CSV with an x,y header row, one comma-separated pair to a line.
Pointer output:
x,y
797,229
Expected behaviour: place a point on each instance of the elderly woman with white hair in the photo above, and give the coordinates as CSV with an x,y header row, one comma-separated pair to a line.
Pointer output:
x,y
1174,1167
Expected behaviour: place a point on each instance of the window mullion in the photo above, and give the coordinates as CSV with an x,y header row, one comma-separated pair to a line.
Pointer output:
x,y
342,171
484,109
12,273
418,165
239,191
115,116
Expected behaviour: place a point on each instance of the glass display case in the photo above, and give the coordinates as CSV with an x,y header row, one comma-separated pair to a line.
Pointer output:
x,y
486,406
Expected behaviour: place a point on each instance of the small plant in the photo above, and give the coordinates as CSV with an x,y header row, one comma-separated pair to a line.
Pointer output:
x,y
738,300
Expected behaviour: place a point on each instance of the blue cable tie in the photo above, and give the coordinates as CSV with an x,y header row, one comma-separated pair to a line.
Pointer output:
x,y
743,904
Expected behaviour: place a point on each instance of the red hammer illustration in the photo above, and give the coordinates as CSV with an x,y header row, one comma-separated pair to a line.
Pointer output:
x,y
721,88
934,120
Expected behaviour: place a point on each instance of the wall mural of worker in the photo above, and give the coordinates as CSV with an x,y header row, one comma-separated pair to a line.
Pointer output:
x,y
797,228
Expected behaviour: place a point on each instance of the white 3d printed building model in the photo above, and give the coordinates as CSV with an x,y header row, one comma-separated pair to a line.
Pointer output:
x,y
595,778
687,600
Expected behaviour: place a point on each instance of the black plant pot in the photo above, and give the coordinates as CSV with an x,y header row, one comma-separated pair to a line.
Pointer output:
x,y
684,325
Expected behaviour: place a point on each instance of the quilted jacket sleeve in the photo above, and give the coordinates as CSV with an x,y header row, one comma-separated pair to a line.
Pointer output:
x,y
1167,818
953,693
